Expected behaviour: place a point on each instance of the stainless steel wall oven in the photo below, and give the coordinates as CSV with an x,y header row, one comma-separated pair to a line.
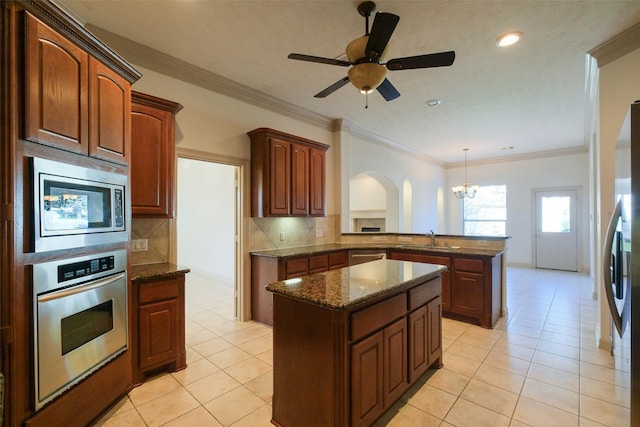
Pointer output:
x,y
80,319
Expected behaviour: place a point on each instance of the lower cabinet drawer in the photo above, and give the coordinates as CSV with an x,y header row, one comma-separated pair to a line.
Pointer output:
x,y
466,264
158,290
367,320
296,267
424,293
318,263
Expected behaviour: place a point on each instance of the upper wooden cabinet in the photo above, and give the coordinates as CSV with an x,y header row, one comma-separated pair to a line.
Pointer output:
x,y
56,89
73,101
287,175
109,107
152,155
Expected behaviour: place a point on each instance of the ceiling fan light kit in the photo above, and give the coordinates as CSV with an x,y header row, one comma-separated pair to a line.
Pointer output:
x,y
367,72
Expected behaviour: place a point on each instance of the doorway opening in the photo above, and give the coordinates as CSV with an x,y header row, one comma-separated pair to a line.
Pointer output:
x,y
556,242
208,231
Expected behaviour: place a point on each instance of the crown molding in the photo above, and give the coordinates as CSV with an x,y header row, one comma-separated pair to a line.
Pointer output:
x,y
156,60
355,130
522,157
617,46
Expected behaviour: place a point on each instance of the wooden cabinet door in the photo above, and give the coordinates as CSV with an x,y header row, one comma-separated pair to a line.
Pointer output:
x,y
56,89
109,110
367,361
152,161
158,329
418,343
467,293
434,330
316,182
280,177
299,179
395,361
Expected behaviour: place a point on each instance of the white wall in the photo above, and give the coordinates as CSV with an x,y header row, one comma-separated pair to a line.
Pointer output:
x,y
206,218
364,156
522,177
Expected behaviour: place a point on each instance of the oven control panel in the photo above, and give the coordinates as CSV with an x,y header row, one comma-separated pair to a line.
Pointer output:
x,y
84,268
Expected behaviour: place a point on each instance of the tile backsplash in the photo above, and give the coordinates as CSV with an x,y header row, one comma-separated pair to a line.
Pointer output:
x,y
157,233
262,234
276,232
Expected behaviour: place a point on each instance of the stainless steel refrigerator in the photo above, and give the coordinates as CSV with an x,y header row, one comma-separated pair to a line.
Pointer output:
x,y
621,267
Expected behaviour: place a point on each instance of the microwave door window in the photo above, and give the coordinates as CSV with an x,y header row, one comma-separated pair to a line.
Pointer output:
x,y
75,207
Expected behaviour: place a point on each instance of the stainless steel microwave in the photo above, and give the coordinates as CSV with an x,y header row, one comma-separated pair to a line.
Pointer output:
x,y
75,206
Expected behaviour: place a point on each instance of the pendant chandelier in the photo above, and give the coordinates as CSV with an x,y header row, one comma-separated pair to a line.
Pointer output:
x,y
465,190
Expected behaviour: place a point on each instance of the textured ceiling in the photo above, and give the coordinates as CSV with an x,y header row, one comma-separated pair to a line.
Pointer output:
x,y
530,96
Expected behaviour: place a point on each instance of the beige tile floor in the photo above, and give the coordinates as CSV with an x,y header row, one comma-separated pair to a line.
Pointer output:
x,y
540,367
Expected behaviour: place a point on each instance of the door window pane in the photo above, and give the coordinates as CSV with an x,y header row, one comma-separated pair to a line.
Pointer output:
x,y
556,212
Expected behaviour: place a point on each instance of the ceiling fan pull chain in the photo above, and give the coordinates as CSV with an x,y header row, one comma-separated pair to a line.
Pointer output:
x,y
366,100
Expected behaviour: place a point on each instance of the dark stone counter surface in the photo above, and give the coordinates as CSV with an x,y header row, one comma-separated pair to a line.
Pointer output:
x,y
156,271
346,287
317,249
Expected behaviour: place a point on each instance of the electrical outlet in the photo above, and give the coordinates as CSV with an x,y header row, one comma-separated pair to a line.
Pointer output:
x,y
405,239
139,245
319,232
379,238
282,236
482,243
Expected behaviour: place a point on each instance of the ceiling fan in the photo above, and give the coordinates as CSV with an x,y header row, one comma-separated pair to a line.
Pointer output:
x,y
365,54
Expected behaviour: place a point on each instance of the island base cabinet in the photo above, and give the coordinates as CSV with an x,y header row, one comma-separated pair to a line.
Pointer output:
x,y
367,380
378,373
346,367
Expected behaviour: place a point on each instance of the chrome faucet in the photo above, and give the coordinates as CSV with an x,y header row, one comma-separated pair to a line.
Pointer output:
x,y
433,238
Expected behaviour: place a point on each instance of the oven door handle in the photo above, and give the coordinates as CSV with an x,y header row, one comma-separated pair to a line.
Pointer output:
x,y
78,289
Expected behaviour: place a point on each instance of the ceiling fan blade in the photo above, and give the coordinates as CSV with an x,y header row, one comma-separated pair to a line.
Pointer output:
x,y
334,87
318,59
388,91
441,59
383,26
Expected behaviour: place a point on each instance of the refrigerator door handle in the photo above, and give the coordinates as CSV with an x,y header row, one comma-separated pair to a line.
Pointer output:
x,y
607,266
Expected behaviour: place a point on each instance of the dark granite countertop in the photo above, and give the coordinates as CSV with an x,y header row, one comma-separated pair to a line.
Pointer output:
x,y
316,249
346,287
156,271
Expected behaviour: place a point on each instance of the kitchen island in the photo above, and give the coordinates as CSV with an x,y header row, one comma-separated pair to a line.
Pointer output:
x,y
348,343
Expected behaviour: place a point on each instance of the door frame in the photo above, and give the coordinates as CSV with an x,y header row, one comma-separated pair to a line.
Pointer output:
x,y
534,222
242,286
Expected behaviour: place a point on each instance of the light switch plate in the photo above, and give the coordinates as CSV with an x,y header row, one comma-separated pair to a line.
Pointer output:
x,y
139,245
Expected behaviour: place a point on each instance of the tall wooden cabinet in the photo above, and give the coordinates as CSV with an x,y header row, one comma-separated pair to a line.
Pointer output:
x,y
66,97
153,155
287,175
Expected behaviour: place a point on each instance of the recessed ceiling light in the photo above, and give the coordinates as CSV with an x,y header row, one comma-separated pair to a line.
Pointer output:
x,y
433,102
508,39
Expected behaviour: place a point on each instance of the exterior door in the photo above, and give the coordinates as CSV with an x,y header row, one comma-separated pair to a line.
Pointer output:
x,y
556,229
